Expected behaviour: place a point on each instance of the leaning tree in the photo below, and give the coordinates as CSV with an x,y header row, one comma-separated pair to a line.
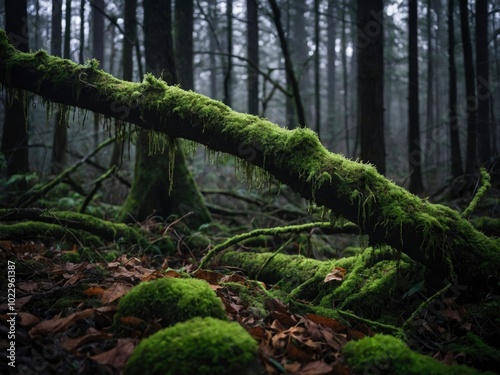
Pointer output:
x,y
438,237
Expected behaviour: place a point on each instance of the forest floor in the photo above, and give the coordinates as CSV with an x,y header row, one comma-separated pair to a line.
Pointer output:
x,y
65,313
66,298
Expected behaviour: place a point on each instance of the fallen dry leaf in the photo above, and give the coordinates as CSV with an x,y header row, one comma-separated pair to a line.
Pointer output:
x,y
114,292
118,356
27,319
93,291
59,324
92,335
337,274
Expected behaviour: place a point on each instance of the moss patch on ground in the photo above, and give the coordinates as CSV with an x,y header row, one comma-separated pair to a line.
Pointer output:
x,y
168,301
383,354
203,346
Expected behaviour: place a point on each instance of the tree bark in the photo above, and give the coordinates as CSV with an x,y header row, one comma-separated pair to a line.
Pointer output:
x,y
60,137
184,42
331,70
370,45
15,135
228,76
317,86
483,83
162,183
414,143
456,156
433,235
129,39
471,165
290,73
253,56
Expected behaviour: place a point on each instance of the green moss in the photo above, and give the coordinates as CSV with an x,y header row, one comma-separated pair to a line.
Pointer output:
x,y
488,225
374,283
383,354
170,300
477,350
203,346
252,299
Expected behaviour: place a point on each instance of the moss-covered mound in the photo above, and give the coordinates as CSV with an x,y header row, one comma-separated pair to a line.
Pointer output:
x,y
170,300
383,354
199,346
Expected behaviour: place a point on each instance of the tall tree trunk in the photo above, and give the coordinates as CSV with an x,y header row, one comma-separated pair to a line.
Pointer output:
x,y
82,32
37,25
317,86
370,49
290,72
471,165
483,83
430,128
98,7
60,138
152,193
344,78
228,79
414,151
331,71
129,40
456,156
67,31
15,129
184,42
213,45
253,56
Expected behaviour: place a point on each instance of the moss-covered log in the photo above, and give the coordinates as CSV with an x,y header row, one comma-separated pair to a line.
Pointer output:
x,y
370,284
433,235
103,229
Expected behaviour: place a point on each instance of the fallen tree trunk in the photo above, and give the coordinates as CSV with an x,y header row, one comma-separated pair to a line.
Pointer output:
x,y
434,235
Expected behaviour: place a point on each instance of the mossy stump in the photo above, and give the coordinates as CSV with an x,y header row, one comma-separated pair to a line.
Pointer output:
x,y
202,346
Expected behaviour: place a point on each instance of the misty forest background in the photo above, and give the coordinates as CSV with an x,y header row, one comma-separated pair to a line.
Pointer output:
x,y
386,82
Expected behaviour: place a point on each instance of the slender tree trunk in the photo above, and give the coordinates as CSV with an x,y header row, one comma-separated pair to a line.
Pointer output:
x,y
370,49
430,146
290,112
184,42
494,126
37,23
483,83
253,56
299,108
98,8
344,78
67,31
471,164
82,32
331,71
228,79
60,138
414,144
162,185
456,157
129,40
317,86
212,43
15,129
